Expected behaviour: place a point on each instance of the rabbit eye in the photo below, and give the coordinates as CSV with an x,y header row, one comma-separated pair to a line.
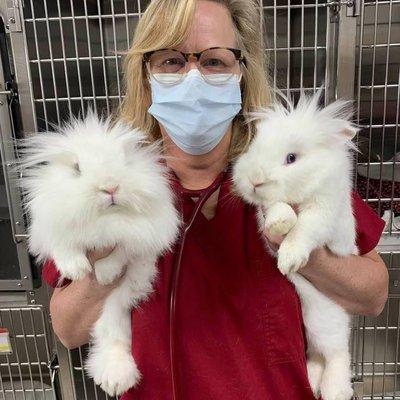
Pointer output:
x,y
76,168
291,158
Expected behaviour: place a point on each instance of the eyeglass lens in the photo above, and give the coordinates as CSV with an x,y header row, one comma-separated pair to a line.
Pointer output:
x,y
216,65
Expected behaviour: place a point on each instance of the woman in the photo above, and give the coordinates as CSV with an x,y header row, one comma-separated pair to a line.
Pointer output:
x,y
222,323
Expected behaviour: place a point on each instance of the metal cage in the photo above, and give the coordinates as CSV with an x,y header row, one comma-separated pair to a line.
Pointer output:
x,y
64,54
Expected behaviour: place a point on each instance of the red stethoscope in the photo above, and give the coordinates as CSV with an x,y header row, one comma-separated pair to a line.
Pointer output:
x,y
203,196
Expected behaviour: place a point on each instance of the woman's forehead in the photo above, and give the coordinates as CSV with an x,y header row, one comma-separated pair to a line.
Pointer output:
x,y
212,27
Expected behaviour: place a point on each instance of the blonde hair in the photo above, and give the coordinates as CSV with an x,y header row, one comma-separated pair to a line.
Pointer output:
x,y
166,24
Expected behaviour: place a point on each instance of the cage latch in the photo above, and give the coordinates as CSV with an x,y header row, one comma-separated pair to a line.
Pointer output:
x,y
353,7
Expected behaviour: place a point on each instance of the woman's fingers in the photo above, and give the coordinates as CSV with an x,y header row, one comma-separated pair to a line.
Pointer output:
x,y
97,254
273,240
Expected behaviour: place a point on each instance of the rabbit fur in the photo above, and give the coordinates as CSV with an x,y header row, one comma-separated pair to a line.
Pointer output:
x,y
319,182
68,177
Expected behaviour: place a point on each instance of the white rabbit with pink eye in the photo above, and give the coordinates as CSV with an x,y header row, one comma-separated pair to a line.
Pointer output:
x,y
302,156
92,185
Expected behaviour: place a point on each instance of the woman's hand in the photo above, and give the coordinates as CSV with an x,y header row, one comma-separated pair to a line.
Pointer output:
x,y
96,255
76,307
274,241
357,283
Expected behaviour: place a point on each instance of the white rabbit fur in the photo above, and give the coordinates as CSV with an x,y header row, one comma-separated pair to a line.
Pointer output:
x,y
65,178
319,182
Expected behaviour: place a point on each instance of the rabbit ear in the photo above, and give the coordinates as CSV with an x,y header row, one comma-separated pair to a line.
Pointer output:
x,y
337,120
43,148
349,132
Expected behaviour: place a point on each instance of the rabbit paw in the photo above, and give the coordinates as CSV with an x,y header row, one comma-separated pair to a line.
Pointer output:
x,y
74,268
106,271
335,391
280,219
291,257
315,369
114,369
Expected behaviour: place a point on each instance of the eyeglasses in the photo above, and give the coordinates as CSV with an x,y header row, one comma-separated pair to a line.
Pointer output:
x,y
217,65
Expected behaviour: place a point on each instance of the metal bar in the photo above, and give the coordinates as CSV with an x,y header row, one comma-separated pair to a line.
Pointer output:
x,y
372,95
332,21
39,67
346,60
116,55
77,53
288,50
27,353
380,45
358,96
82,373
385,104
101,33
17,354
61,60
52,62
67,83
396,137
302,47
382,2
90,53
315,46
19,51
8,365
127,24
82,17
386,346
49,100
37,351
396,363
275,46
294,6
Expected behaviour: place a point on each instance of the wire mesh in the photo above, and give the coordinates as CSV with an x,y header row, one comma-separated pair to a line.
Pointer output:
x,y
24,374
376,353
296,38
75,56
378,105
376,346
76,48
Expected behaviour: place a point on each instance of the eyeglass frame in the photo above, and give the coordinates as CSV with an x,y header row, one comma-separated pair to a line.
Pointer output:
x,y
237,53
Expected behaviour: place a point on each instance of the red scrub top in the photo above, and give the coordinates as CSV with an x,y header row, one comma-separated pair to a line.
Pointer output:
x,y
229,325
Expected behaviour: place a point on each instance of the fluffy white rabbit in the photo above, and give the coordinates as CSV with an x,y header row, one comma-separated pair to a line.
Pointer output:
x,y
93,185
302,155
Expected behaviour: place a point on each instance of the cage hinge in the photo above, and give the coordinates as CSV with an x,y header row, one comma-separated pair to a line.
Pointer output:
x,y
352,6
358,387
13,23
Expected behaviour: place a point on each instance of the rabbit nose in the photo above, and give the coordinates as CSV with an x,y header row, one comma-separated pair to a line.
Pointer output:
x,y
110,190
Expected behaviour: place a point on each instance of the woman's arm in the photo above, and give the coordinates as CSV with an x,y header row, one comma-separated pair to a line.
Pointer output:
x,y
358,283
76,307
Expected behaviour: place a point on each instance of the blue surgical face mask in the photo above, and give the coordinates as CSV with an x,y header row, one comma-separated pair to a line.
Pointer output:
x,y
196,114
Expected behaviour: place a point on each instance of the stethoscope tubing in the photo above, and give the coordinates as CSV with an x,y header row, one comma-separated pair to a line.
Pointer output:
x,y
176,388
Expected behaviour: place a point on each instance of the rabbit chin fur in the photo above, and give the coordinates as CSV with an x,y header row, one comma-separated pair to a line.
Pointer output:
x,y
66,175
319,182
